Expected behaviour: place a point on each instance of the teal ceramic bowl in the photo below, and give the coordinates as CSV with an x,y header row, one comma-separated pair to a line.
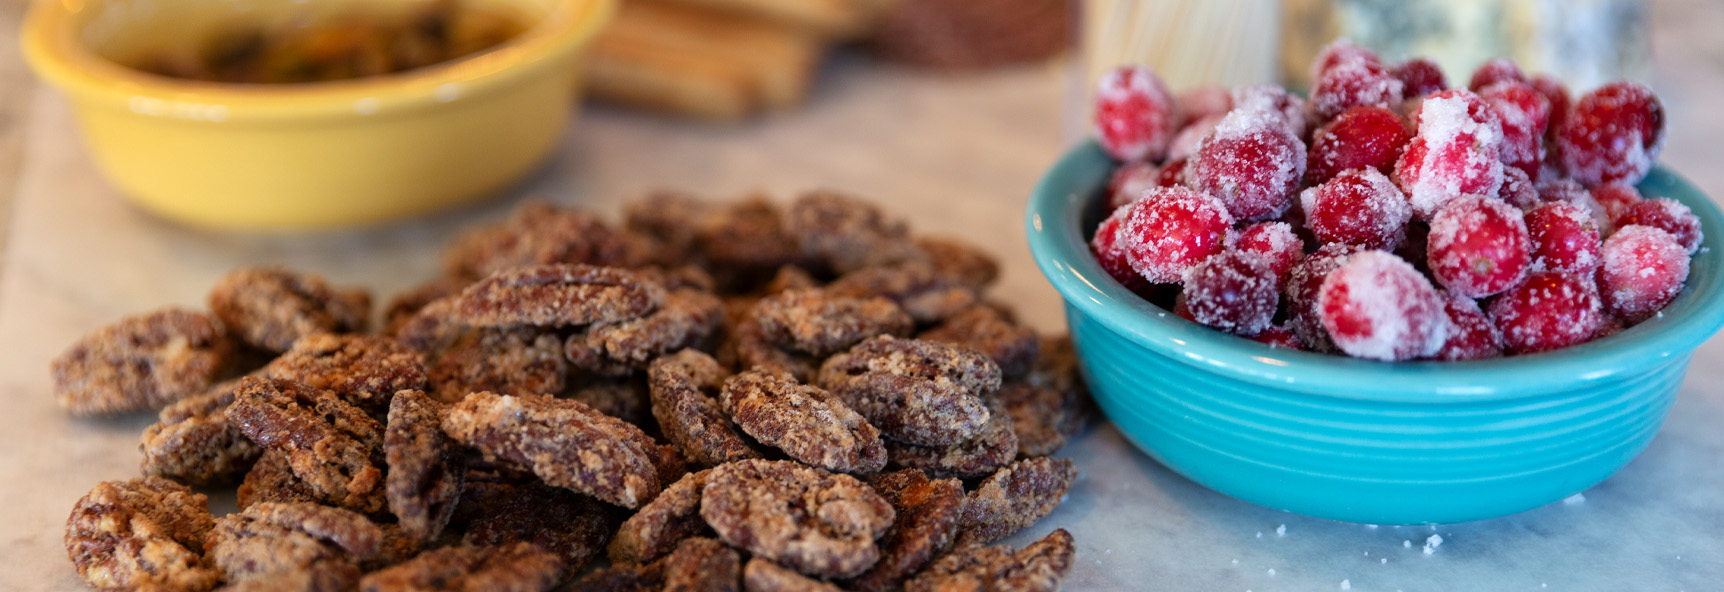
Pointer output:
x,y
1358,440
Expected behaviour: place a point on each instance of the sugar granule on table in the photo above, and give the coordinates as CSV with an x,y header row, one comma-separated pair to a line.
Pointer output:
x,y
1407,544
1575,499
1271,571
1346,585
1432,543
1281,530
1384,561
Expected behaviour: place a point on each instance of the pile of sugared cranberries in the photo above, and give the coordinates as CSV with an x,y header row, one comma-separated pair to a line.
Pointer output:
x,y
1391,217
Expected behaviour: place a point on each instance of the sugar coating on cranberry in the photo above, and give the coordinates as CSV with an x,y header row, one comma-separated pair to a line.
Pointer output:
x,y
1129,181
1493,71
1172,229
1358,207
1550,310
1251,162
1134,114
1203,101
1338,51
1172,174
1570,191
1233,291
1612,134
1419,77
1377,306
1456,152
1668,215
1555,92
1351,83
1524,113
1478,246
1275,242
1277,100
1644,269
1472,335
1363,136
1108,253
1518,190
1278,336
1301,292
1564,238
1191,137
1615,199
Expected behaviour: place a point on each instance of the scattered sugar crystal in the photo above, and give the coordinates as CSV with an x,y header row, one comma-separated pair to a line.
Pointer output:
x,y
1346,585
1236,562
1371,526
1271,571
1281,530
1384,561
1432,543
1407,544
1259,534
1575,499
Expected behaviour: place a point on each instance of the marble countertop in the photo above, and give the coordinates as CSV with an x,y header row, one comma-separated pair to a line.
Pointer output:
x,y
959,154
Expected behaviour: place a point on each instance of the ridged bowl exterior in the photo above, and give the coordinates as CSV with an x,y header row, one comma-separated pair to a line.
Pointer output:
x,y
1357,440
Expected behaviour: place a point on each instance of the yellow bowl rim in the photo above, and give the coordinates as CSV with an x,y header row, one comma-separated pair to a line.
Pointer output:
x,y
52,48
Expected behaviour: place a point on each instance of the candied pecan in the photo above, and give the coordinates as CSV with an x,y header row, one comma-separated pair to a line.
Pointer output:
x,y
397,546
687,416
843,232
557,295
425,476
819,523
142,362
789,277
271,480
929,513
679,277
519,567
820,324
272,307
807,423
521,360
404,306
959,260
334,447
751,349
994,446
748,233
987,330
623,578
269,541
573,526
192,441
1057,368
146,533
917,392
670,218
703,564
686,319
538,233
566,443
1042,418
921,288
765,576
624,398
433,327
656,529
1015,497
1038,567
364,369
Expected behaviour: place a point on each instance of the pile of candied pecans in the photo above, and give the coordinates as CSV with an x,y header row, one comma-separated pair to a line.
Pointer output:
x,y
716,396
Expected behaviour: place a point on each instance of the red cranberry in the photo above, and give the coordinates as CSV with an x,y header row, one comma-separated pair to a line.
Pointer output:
x,y
1494,71
1668,215
1202,102
1275,242
1644,269
1524,113
1172,229
1358,137
1251,162
1268,97
1358,207
1471,334
1612,135
1351,83
1518,190
1377,306
1129,182
1456,152
1232,291
1615,199
1192,136
1478,246
1564,238
1420,77
1172,174
1106,247
1278,336
1549,310
1338,51
1301,291
1553,91
1134,115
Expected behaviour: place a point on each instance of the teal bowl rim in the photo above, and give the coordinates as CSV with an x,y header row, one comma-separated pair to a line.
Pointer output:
x,y
1068,190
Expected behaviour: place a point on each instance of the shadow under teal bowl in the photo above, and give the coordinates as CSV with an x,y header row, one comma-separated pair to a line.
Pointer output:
x,y
1358,440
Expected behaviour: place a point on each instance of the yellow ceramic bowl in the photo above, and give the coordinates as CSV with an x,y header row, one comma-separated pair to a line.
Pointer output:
x,y
300,156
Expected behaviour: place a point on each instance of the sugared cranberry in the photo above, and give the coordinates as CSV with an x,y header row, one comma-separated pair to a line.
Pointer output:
x,y
1358,137
1351,83
1377,306
1615,199
1191,137
1278,336
1668,215
1275,242
1612,135
1472,336
1493,71
1134,114
1610,326
1338,51
1524,113
1644,269
1555,92
1419,77
1129,182
1456,152
1277,100
1301,291
1172,174
1358,207
1569,191
1518,190
1233,291
1251,162
1549,310
1172,229
1478,246
1182,307
1201,102
1564,238
1106,247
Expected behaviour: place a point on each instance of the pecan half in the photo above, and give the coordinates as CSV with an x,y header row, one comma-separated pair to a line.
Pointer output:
x,y
687,416
688,318
333,446
522,361
917,392
272,307
704,565
364,369
193,442
929,514
538,233
994,446
142,362
807,423
566,443
320,546
656,529
761,575
1038,567
921,288
425,476
988,331
819,324
819,523
146,533
574,526
843,232
519,567
1015,497
557,295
